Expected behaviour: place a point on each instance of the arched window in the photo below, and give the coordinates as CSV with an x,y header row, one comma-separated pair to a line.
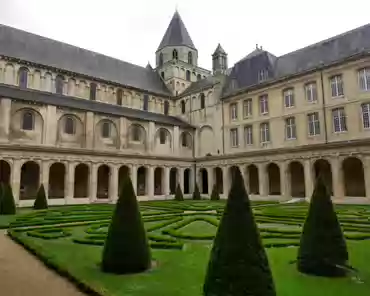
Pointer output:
x,y
136,133
199,77
105,129
202,101
23,77
59,84
28,121
161,59
185,140
146,102
190,58
69,126
183,107
162,136
188,75
92,91
162,74
119,97
175,54
166,107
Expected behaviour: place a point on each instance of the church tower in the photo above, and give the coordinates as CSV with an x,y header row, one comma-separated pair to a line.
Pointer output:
x,y
177,57
219,61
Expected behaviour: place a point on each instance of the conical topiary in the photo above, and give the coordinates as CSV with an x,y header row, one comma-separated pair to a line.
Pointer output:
x,y
126,248
7,204
178,194
238,264
41,202
196,193
323,249
215,195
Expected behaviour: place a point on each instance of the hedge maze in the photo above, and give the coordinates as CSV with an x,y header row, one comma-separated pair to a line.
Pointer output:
x,y
173,224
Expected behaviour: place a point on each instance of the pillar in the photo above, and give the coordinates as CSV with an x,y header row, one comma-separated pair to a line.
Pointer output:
x,y
113,183
70,182
50,126
308,177
150,182
133,175
166,181
337,173
45,166
89,131
284,180
210,180
262,179
181,178
93,181
15,180
225,179
366,164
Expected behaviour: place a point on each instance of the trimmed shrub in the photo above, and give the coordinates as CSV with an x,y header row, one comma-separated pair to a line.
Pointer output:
x,y
126,248
322,247
40,202
238,263
196,193
178,194
7,204
215,195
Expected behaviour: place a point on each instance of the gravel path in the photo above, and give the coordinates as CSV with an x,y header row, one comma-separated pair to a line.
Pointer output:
x,y
21,274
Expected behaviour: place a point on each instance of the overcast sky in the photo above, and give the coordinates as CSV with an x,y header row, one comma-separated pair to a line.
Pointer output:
x,y
131,30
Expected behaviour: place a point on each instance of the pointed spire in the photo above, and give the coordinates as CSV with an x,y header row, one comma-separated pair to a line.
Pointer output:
x,y
219,49
176,34
149,66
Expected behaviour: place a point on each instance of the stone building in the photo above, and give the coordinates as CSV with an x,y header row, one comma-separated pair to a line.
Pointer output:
x,y
78,121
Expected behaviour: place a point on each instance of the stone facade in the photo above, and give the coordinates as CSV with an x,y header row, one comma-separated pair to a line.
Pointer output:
x,y
281,120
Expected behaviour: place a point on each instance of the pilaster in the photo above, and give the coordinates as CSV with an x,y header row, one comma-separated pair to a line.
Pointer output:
x,y
45,165
176,140
50,126
337,172
70,176
308,177
16,178
150,182
210,180
262,178
93,181
133,175
5,112
284,179
166,181
89,130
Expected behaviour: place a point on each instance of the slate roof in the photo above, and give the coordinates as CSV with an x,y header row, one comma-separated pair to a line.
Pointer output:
x,y
176,34
245,73
199,85
219,49
41,50
30,95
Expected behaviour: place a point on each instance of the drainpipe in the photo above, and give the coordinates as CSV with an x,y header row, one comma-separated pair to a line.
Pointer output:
x,y
323,108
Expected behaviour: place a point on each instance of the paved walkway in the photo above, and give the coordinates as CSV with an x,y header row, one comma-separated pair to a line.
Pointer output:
x,y
21,274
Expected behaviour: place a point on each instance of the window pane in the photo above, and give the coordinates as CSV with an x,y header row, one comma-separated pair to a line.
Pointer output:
x,y
69,126
28,121
106,130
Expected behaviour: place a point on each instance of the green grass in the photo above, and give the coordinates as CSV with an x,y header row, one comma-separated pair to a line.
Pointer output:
x,y
181,272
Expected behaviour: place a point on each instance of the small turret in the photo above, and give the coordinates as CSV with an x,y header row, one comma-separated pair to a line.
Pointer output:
x,y
219,60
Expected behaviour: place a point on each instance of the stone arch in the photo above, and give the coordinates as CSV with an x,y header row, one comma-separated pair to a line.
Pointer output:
x,y
253,179
297,179
30,180
158,181
57,175
218,179
123,173
81,181
322,167
137,133
163,137
100,127
273,172
353,177
174,180
78,125
5,172
203,177
186,140
102,191
142,181
187,181
19,131
206,139
23,77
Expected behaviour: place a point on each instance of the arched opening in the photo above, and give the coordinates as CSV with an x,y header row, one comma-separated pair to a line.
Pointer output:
x,y
273,173
103,182
183,107
5,172
186,140
188,75
119,96
28,121
253,179
354,179
81,184
93,91
146,102
70,125
175,54
173,180
141,181
166,107
190,58
23,77
30,179
59,84
57,173
123,173
219,182
202,101
203,181
297,184
187,176
199,77
322,167
158,181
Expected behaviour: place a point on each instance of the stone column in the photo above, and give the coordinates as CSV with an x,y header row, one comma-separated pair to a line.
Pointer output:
x,y
45,166
16,179
337,173
225,179
113,183
366,164
166,181
308,177
93,181
284,180
150,182
196,142
210,180
133,175
176,140
5,113
70,183
151,134
181,178
262,179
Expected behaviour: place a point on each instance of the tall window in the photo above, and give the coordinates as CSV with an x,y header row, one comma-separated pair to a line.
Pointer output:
x,y
183,107
119,96
339,120
28,121
166,107
364,79
186,140
188,75
247,108
289,98
263,75
313,124
105,129
365,108
248,135
162,74
336,83
23,77
264,104
160,62
175,54
190,58
234,137
202,101
234,111
59,84
162,136
265,132
290,128
199,77
311,92
145,102
69,126
92,91
135,133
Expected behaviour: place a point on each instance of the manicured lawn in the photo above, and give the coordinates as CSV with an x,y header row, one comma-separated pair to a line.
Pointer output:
x,y
181,272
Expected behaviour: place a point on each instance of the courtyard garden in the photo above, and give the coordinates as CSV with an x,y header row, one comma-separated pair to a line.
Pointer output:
x,y
70,239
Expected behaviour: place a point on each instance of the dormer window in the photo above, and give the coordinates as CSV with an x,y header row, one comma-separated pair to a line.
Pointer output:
x,y
263,75
233,83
